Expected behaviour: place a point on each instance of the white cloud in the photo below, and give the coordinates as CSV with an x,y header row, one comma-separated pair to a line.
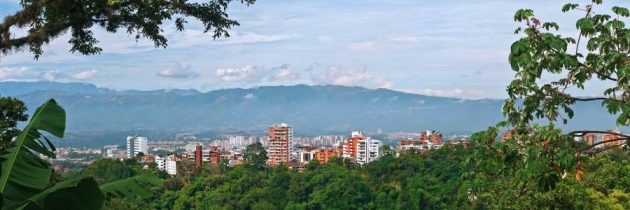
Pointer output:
x,y
52,75
455,92
249,96
8,73
283,74
178,71
245,73
28,74
84,74
257,75
338,75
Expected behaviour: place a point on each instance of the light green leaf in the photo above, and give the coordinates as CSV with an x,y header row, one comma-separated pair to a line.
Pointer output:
x,y
76,194
23,173
135,186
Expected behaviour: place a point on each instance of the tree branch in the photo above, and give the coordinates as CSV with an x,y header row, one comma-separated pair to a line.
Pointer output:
x,y
589,99
583,132
604,142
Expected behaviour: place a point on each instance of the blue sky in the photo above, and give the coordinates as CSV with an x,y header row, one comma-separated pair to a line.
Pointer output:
x,y
443,48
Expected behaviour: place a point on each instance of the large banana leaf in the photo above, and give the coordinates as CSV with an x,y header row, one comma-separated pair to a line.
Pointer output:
x,y
75,194
23,174
137,186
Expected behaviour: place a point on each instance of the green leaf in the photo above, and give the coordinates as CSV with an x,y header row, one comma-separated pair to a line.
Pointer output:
x,y
76,194
621,11
23,173
131,187
568,7
523,14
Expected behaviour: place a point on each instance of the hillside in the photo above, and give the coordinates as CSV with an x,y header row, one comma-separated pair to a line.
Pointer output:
x,y
310,109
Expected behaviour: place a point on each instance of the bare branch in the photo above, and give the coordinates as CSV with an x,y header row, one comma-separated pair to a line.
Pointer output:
x,y
604,142
583,132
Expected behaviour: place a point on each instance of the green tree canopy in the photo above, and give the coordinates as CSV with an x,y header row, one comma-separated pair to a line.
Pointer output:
x,y
107,170
11,112
255,156
599,52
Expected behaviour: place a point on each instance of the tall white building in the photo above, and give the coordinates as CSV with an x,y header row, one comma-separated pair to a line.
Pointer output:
x,y
137,144
368,150
160,161
171,165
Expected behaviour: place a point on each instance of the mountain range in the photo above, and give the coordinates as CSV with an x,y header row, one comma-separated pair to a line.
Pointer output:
x,y
311,110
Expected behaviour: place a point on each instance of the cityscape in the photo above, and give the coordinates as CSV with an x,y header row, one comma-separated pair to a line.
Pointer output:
x,y
283,148
314,105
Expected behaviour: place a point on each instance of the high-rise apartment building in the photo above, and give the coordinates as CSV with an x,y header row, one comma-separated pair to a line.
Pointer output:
x,y
350,145
368,150
280,143
135,145
198,155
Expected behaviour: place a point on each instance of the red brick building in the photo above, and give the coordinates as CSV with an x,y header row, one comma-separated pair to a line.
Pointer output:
x,y
280,144
350,145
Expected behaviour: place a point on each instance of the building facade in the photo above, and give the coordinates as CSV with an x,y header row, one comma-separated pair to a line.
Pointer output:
x,y
324,154
368,150
350,145
280,144
434,137
135,145
170,165
159,161
612,138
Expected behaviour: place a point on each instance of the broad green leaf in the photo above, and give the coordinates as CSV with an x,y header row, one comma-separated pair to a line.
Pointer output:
x,y
23,174
131,187
75,194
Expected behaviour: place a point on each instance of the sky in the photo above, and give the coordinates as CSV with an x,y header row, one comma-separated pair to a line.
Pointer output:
x,y
441,48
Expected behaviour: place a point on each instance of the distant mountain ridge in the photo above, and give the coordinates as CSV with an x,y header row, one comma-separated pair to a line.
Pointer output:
x,y
310,109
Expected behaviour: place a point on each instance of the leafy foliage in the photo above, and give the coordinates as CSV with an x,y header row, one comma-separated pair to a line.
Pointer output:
x,y
23,173
108,170
445,178
542,53
255,156
25,178
47,20
139,186
79,193
11,112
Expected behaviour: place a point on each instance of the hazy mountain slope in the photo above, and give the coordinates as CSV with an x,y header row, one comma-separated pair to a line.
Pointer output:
x,y
310,109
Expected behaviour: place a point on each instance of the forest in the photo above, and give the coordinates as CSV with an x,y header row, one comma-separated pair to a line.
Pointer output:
x,y
452,177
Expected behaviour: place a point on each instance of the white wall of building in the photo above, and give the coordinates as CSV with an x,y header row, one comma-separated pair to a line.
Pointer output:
x,y
171,165
160,162
368,150
137,144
